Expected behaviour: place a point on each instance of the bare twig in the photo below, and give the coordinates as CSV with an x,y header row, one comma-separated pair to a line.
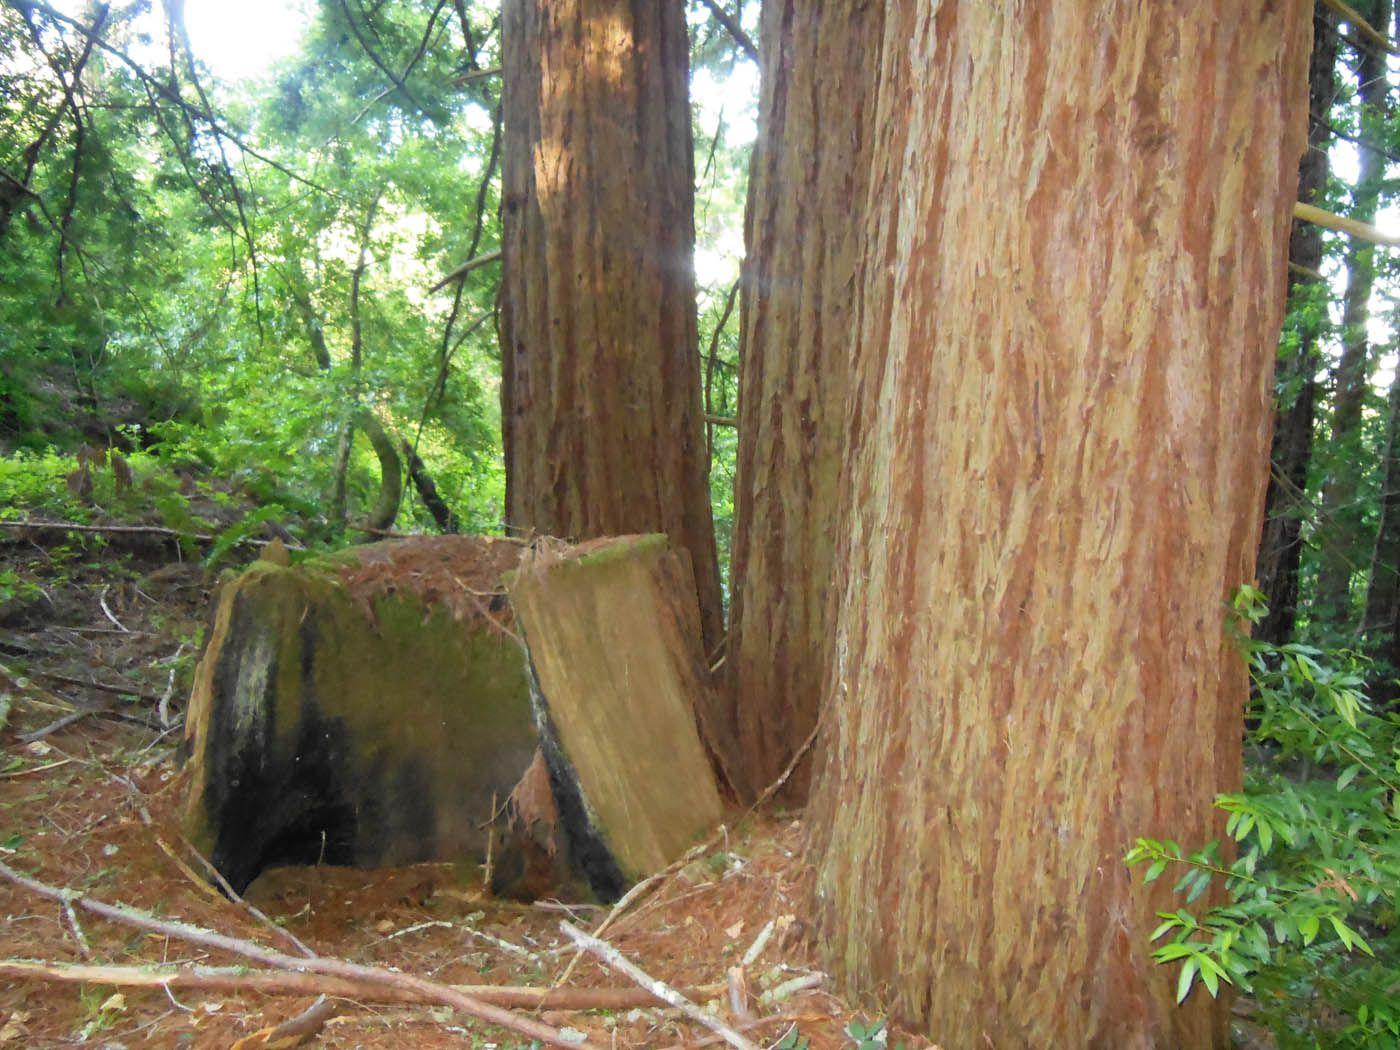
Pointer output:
x,y
101,687
292,1032
63,723
163,708
1365,28
270,982
128,530
734,29
353,972
287,935
1351,227
652,882
466,268
615,960
102,601
37,769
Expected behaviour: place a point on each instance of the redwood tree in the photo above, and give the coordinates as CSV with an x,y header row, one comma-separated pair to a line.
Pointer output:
x,y
807,180
600,397
1070,295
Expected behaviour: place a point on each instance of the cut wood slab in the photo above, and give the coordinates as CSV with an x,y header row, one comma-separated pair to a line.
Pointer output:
x,y
613,633
365,709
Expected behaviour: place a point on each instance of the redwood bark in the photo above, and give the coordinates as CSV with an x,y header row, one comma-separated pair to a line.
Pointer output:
x,y
1342,516
1281,547
600,396
808,178
1069,304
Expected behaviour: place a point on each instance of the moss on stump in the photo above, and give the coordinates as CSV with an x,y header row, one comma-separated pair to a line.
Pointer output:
x,y
366,708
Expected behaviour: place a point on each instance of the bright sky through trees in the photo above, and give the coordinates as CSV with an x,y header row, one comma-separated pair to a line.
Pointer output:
x,y
243,39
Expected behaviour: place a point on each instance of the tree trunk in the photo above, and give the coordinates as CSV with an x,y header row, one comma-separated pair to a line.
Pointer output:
x,y
1281,548
1341,516
443,515
1056,480
600,394
807,180
1382,620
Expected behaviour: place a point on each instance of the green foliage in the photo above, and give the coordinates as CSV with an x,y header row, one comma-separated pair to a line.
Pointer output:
x,y
1310,919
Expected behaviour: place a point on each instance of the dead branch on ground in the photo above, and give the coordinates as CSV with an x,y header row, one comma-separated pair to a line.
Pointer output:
x,y
373,976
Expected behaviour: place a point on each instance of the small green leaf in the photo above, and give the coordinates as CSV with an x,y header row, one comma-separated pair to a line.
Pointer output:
x,y
1183,983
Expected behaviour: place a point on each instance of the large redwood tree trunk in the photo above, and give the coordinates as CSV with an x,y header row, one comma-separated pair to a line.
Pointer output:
x,y
807,181
1070,297
600,370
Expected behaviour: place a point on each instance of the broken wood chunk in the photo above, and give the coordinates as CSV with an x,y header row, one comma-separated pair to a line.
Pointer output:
x,y
619,682
363,709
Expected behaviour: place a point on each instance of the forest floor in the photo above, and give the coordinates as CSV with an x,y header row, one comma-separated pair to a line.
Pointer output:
x,y
93,805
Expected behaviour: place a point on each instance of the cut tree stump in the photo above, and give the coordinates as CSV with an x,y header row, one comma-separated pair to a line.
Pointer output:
x,y
622,698
366,708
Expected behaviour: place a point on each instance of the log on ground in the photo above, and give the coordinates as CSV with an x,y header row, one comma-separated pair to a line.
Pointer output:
x,y
621,696
365,708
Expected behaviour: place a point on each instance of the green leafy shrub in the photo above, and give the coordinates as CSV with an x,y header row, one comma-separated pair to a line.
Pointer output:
x,y
1310,928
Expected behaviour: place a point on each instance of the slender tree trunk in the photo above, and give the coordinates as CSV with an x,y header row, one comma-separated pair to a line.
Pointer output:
x,y
600,367
1341,526
1281,548
443,515
808,179
1056,482
1382,622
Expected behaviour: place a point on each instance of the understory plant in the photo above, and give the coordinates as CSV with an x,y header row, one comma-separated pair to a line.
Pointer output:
x,y
1312,877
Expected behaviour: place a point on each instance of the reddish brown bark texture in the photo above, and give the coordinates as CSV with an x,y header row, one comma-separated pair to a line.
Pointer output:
x,y
807,182
600,398
1069,301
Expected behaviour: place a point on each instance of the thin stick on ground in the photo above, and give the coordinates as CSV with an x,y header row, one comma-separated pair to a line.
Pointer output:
x,y
274,982
615,960
430,990
295,1030
233,895
652,882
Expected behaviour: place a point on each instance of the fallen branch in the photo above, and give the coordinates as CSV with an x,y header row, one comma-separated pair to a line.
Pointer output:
x,y
63,723
268,982
121,530
1365,28
294,1031
615,960
466,268
429,991
653,881
734,29
287,935
1351,227
101,687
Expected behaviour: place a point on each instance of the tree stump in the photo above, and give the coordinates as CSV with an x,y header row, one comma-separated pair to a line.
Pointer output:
x,y
621,697
367,708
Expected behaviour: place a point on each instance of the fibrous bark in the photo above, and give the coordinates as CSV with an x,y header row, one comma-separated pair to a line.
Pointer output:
x,y
1069,303
1281,548
600,371
807,180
